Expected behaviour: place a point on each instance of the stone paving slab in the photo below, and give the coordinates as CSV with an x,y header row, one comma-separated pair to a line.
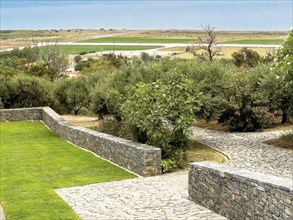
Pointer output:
x,y
159,197
247,150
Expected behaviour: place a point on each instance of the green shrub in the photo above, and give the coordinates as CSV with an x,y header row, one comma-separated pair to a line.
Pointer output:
x,y
1,104
164,111
168,165
22,91
246,58
77,59
28,53
123,129
243,112
71,95
82,65
214,81
282,98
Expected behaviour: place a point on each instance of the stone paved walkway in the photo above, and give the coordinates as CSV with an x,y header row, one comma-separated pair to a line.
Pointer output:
x,y
166,196
247,150
159,197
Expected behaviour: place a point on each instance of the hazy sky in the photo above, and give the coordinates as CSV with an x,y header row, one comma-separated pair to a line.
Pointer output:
x,y
151,14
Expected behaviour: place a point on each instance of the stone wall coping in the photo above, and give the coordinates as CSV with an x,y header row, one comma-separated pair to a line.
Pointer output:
x,y
244,175
129,143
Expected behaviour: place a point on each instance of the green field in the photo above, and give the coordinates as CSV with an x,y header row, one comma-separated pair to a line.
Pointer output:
x,y
138,40
266,42
75,49
34,162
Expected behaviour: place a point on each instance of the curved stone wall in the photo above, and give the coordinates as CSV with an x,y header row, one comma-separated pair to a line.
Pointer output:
x,y
139,158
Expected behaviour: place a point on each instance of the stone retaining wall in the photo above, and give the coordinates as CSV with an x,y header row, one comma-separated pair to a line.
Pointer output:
x,y
21,114
240,194
139,158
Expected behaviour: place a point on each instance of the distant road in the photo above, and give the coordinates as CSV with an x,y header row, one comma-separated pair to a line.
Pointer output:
x,y
166,45
169,44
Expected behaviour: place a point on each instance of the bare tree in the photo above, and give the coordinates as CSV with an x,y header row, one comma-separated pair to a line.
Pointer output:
x,y
50,54
206,48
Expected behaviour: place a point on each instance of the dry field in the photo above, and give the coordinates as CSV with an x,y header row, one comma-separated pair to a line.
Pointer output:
x,y
10,39
25,37
222,35
226,52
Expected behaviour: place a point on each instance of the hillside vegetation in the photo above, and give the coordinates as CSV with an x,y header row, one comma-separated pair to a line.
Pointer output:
x,y
155,100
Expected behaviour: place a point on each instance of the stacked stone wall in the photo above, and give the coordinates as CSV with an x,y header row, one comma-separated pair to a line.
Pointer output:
x,y
240,194
21,114
139,158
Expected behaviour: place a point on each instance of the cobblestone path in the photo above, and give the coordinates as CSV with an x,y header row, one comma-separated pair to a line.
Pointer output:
x,y
159,197
166,196
247,150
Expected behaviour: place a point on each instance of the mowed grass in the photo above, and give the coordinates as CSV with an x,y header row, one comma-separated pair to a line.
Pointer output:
x,y
34,162
262,41
138,40
76,49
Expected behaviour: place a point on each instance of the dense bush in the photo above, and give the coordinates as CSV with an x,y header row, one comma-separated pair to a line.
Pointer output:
x,y
28,53
246,57
155,101
77,59
243,112
83,64
71,95
283,69
164,111
5,91
214,81
24,91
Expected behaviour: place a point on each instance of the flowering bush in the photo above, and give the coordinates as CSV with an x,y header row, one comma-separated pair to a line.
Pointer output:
x,y
283,70
243,112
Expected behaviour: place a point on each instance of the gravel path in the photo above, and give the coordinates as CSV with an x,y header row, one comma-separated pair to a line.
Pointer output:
x,y
166,45
166,196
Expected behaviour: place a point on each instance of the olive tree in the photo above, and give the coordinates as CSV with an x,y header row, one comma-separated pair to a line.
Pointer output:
x,y
26,91
71,94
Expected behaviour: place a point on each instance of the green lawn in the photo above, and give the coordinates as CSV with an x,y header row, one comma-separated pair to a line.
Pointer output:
x,y
266,42
75,49
138,40
34,161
